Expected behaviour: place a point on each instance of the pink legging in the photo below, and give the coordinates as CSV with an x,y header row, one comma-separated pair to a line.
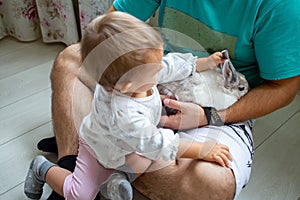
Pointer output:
x,y
85,181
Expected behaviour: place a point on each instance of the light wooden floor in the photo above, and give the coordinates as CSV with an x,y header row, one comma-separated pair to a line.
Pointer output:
x,y
25,119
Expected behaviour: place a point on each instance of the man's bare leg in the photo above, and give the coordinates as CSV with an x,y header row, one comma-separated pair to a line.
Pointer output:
x,y
188,179
65,90
70,103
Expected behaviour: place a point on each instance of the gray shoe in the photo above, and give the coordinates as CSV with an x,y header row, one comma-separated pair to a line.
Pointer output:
x,y
34,182
117,187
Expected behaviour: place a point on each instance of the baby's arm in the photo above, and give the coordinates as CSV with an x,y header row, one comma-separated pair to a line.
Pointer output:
x,y
208,151
210,62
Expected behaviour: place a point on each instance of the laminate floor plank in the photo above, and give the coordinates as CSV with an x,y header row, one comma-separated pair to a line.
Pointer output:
x,y
23,59
276,168
265,126
16,156
10,45
24,84
25,115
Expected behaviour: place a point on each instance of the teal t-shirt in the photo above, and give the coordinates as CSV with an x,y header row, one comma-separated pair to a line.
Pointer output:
x,y
262,36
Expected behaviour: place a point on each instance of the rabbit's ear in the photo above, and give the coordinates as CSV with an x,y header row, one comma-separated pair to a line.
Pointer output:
x,y
225,54
229,74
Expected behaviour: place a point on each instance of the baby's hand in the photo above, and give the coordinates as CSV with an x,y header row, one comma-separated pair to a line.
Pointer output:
x,y
218,153
209,63
216,59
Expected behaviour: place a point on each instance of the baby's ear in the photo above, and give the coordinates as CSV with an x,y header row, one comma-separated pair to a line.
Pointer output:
x,y
124,87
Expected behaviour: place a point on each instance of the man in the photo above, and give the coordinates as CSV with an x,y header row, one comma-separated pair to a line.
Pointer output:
x,y
261,37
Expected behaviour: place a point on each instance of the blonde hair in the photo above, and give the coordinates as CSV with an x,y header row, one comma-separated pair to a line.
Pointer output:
x,y
114,43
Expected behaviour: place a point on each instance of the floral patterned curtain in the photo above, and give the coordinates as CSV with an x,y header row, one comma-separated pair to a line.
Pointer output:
x,y
53,20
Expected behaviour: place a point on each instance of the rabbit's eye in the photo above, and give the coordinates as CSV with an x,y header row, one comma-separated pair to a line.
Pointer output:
x,y
241,88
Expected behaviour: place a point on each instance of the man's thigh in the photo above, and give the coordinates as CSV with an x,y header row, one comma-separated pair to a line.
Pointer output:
x,y
188,179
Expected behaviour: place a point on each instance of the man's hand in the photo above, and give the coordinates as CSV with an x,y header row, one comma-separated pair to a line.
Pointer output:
x,y
189,115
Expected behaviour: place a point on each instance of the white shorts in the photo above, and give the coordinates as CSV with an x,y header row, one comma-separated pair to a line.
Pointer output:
x,y
238,137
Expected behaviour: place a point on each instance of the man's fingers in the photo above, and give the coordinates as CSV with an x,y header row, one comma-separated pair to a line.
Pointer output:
x,y
163,120
163,97
172,104
169,121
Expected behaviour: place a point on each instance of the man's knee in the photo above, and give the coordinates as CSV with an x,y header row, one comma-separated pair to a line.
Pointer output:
x,y
216,181
66,64
224,187
188,180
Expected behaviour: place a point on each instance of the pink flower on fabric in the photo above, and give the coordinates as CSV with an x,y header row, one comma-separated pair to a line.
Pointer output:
x,y
30,11
82,16
60,33
84,19
45,23
60,10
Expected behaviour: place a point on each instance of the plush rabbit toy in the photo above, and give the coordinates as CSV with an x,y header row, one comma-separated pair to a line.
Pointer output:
x,y
217,88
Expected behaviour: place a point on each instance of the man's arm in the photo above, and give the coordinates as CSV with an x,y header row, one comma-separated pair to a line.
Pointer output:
x,y
111,9
258,102
142,10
